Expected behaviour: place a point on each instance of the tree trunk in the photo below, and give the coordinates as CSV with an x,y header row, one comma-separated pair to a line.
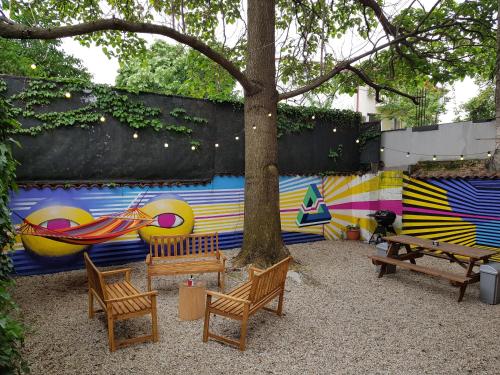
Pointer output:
x,y
495,162
262,243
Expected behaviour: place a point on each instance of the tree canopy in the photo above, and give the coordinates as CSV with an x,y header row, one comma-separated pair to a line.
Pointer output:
x,y
479,108
173,69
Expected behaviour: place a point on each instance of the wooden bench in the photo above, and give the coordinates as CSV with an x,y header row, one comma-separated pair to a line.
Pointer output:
x,y
119,301
191,254
459,279
244,301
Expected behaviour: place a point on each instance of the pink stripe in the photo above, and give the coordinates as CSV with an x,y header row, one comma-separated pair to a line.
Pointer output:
x,y
391,205
446,213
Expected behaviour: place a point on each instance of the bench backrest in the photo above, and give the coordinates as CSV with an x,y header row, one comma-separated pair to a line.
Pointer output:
x,y
94,277
192,245
269,281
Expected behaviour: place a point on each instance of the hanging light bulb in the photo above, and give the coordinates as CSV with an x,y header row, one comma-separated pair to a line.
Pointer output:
x,y
407,154
357,140
382,149
434,157
237,138
461,157
102,119
135,135
269,114
216,145
313,117
254,127
334,130
33,66
193,147
67,94
165,145
489,154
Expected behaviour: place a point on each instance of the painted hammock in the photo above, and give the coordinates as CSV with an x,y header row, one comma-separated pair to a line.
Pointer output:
x,y
100,230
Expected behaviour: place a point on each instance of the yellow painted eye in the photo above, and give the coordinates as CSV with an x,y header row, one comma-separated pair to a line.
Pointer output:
x,y
55,217
172,217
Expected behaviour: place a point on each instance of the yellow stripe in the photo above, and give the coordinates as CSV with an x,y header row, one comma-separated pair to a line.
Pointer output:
x,y
426,205
426,198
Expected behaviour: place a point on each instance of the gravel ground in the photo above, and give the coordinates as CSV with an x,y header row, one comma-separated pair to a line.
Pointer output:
x,y
339,318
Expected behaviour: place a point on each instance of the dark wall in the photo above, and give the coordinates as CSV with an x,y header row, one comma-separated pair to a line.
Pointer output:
x,y
108,152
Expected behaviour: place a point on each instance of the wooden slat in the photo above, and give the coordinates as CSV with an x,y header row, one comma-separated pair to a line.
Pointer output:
x,y
427,270
443,246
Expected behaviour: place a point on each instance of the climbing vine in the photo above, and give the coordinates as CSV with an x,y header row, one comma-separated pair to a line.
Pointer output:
x,y
99,101
11,330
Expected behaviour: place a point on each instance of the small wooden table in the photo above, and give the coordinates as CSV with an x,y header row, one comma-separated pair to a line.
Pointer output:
x,y
192,300
466,257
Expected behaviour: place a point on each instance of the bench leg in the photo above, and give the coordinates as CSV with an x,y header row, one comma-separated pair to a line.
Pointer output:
x,y
244,325
206,325
279,311
91,304
221,281
462,292
149,283
383,268
154,319
111,332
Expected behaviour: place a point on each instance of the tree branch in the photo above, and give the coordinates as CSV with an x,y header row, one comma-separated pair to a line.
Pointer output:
x,y
364,77
17,31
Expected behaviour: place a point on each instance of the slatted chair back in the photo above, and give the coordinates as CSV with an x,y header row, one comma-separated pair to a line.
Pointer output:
x,y
267,282
193,245
94,277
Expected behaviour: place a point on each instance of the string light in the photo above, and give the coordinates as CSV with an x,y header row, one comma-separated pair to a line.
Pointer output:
x,y
407,154
237,138
269,114
33,66
67,94
357,140
165,145
461,157
254,127
135,135
334,130
382,149
102,118
489,154
193,147
313,117
434,157
216,145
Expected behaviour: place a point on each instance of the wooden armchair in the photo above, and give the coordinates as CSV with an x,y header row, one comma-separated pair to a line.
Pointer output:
x,y
262,287
119,301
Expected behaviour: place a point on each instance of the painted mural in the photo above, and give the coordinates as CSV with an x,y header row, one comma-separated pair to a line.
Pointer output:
x,y
461,211
312,208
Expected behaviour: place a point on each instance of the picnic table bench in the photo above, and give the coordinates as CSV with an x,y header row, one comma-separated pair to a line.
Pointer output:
x,y
466,257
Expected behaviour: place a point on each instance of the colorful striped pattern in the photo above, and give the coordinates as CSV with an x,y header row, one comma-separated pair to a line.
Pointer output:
x,y
100,230
461,211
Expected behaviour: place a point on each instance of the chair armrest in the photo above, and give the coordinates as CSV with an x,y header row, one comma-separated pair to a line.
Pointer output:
x,y
253,270
126,271
133,296
148,259
226,296
222,256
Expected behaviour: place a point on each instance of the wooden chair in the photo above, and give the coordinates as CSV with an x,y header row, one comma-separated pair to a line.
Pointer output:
x,y
244,301
119,301
185,255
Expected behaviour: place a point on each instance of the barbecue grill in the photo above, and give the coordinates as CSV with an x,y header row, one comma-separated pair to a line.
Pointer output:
x,y
384,220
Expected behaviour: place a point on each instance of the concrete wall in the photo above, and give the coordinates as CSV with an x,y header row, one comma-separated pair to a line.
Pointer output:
x,y
446,141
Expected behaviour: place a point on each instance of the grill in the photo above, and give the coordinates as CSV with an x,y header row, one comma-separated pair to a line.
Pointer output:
x,y
384,220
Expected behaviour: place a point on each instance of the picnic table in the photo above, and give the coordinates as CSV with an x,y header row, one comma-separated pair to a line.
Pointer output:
x,y
466,257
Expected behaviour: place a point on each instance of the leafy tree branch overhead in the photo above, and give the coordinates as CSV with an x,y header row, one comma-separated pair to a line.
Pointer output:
x,y
263,43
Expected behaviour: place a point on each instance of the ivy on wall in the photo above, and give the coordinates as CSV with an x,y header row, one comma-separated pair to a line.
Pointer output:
x,y
11,330
99,101
295,119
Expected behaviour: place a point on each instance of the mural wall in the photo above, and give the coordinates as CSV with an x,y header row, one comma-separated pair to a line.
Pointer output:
x,y
461,211
312,208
